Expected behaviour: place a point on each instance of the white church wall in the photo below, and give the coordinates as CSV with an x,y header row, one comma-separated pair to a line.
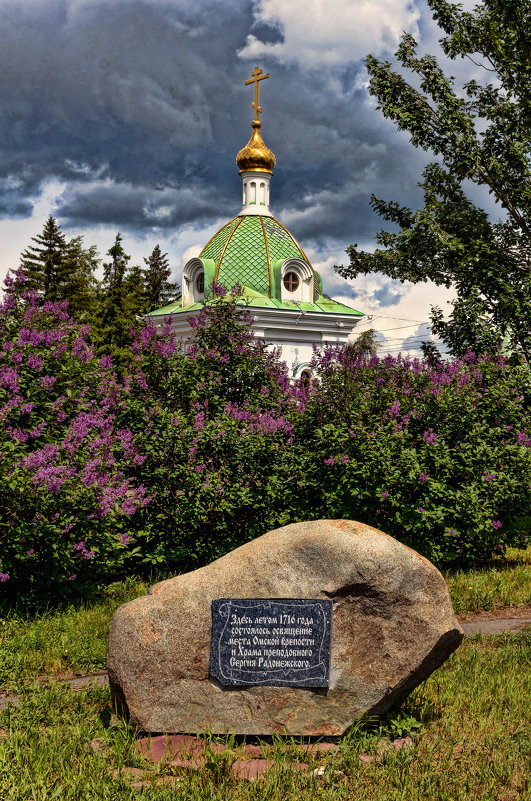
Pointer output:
x,y
294,332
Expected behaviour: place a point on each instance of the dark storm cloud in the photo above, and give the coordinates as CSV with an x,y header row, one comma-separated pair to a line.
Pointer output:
x,y
140,108
137,206
123,88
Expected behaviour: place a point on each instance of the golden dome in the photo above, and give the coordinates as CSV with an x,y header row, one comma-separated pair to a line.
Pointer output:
x,y
256,156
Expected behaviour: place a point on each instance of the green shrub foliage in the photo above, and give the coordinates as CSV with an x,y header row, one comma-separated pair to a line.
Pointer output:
x,y
437,455
66,467
196,449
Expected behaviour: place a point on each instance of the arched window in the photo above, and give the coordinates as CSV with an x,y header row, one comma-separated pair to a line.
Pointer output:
x,y
193,282
296,281
291,281
253,192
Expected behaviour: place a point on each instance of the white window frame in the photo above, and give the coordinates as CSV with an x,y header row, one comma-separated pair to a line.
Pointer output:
x,y
303,271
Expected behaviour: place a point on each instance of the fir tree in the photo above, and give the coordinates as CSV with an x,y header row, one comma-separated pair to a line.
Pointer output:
x,y
134,290
58,269
45,264
82,286
116,318
159,292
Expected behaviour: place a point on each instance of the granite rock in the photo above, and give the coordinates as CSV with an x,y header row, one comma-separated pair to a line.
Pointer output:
x,y
393,625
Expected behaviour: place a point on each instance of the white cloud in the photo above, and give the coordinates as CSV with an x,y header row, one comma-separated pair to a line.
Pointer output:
x,y
403,316
329,34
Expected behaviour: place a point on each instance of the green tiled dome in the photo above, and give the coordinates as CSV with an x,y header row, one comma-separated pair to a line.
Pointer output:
x,y
245,249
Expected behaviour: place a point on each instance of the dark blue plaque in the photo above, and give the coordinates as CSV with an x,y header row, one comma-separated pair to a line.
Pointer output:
x,y
271,641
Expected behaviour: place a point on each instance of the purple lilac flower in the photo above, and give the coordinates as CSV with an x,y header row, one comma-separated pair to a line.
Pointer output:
x,y
105,362
4,577
423,478
128,506
81,548
489,476
41,457
394,410
496,524
523,439
81,350
53,477
9,379
35,362
421,508
48,381
219,289
330,461
430,437
451,533
384,495
37,430
124,538
199,421
18,433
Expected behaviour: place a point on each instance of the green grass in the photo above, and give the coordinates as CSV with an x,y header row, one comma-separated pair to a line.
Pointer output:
x,y
73,639
469,721
472,740
62,641
506,582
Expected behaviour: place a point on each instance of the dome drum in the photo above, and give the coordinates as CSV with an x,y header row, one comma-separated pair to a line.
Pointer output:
x,y
255,193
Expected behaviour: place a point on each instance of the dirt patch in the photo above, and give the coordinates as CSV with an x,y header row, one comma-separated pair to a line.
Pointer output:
x,y
504,613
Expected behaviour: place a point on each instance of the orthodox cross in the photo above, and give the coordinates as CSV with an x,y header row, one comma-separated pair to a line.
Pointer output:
x,y
256,77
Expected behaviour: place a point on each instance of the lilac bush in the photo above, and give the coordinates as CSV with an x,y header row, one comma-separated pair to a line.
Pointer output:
x,y
438,456
66,468
215,427
193,451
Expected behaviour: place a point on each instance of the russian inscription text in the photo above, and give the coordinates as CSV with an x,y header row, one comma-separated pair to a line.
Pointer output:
x,y
276,642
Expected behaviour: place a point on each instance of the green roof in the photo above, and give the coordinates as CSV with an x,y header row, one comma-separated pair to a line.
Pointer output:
x,y
246,247
248,251
256,300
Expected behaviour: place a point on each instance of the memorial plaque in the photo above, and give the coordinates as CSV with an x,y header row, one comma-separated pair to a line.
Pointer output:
x,y
277,642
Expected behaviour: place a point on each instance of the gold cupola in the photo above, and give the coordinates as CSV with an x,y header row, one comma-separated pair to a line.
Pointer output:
x,y
256,156
256,161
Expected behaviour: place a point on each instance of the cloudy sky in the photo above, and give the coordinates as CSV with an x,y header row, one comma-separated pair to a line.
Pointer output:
x,y
126,115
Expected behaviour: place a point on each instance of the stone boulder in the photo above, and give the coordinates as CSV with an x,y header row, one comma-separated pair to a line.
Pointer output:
x,y
392,626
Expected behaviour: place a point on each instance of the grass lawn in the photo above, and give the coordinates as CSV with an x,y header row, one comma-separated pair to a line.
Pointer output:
x,y
470,721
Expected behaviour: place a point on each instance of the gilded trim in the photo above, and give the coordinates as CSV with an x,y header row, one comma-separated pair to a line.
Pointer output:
x,y
215,235
292,237
306,259
267,251
225,247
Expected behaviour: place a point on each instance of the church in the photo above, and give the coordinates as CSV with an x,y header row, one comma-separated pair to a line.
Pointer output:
x,y
254,251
